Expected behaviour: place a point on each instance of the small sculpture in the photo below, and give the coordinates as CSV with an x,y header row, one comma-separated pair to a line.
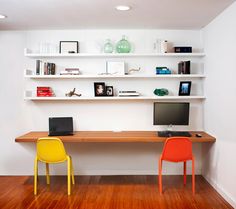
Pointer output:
x,y
71,93
134,70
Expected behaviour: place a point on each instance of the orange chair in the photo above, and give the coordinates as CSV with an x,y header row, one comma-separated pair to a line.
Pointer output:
x,y
177,149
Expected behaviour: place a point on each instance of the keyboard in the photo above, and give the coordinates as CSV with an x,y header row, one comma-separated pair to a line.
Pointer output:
x,y
173,133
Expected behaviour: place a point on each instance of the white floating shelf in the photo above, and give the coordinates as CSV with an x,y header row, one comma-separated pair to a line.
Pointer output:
x,y
103,55
114,98
113,76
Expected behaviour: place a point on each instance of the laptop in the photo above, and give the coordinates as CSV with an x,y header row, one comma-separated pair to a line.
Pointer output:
x,y
60,126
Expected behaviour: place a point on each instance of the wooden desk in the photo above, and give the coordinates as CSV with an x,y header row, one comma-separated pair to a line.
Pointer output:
x,y
110,136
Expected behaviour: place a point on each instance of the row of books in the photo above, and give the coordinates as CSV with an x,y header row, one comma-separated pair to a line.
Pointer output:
x,y
45,68
43,91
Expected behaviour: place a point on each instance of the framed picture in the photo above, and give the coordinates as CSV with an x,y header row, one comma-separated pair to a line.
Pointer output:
x,y
184,88
99,89
109,91
69,47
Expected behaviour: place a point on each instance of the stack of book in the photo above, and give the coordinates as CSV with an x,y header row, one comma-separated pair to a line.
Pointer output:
x,y
70,71
163,70
43,91
128,93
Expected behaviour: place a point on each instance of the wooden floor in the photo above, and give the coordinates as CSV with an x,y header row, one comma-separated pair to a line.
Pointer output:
x,y
109,192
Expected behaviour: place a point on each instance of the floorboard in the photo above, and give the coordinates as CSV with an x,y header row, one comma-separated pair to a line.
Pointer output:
x,y
108,192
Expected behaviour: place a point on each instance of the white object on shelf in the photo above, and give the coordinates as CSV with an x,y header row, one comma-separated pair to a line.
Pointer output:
x,y
164,46
115,68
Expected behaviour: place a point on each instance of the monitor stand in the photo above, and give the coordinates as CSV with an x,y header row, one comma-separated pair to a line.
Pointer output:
x,y
167,132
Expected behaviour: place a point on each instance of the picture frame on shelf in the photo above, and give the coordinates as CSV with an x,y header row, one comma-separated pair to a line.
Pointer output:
x,y
185,88
109,91
69,47
99,89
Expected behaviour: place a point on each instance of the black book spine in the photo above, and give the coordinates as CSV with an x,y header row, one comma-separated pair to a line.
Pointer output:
x,y
45,69
180,68
53,68
38,67
49,68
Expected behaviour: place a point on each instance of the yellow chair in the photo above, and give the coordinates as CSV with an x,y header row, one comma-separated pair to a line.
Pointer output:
x,y
51,150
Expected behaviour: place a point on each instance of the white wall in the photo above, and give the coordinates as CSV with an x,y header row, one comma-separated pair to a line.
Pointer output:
x,y
220,87
19,116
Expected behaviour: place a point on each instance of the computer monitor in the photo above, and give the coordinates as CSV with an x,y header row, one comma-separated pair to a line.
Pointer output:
x,y
171,113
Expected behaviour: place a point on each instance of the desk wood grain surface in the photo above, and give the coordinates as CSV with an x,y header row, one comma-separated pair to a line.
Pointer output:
x,y
110,136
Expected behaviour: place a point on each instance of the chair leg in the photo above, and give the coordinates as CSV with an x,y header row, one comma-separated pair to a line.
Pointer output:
x,y
193,177
160,176
72,171
185,172
35,175
47,173
68,174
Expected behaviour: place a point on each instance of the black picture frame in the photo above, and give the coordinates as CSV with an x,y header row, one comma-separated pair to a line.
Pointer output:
x,y
99,89
185,88
69,47
109,91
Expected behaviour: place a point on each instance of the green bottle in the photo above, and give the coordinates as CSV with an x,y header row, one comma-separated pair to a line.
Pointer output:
x,y
108,47
123,46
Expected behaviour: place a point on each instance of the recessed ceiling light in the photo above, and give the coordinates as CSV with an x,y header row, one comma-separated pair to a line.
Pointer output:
x,y
123,8
2,16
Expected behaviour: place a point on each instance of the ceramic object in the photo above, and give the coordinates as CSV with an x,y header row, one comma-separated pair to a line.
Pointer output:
x,y
161,92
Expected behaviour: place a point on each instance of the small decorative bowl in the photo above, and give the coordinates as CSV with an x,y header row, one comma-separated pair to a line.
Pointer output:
x,y
161,92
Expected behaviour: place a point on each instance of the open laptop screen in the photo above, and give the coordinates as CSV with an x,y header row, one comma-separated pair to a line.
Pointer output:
x,y
60,126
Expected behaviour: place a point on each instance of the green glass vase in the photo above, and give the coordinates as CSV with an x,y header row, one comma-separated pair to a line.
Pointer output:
x,y
123,46
108,47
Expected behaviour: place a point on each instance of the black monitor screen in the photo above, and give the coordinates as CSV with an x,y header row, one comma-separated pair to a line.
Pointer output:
x,y
166,113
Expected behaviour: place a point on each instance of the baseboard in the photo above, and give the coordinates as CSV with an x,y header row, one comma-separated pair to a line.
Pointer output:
x,y
221,191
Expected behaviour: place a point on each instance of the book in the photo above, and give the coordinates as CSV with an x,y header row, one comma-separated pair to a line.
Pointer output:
x,y
38,67
128,93
43,88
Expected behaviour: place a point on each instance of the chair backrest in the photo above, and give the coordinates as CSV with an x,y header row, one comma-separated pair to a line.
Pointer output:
x,y
50,150
177,149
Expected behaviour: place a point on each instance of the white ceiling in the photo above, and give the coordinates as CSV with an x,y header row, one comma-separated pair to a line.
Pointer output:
x,y
99,14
